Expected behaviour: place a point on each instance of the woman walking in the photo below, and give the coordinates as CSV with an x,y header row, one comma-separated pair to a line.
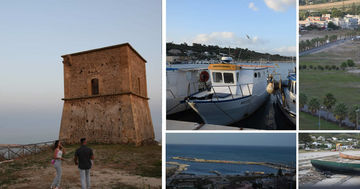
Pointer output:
x,y
59,151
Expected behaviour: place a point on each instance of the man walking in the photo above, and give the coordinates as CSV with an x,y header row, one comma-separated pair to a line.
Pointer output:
x,y
83,158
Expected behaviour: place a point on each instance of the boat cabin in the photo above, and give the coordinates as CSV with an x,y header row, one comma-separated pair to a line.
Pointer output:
x,y
230,79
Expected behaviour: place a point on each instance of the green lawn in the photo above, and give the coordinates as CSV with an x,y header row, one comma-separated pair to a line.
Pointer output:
x,y
322,58
309,122
344,86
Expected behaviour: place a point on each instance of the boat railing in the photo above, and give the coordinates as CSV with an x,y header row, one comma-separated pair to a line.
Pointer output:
x,y
244,90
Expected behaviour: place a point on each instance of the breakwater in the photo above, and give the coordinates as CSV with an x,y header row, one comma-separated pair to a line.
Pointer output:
x,y
267,164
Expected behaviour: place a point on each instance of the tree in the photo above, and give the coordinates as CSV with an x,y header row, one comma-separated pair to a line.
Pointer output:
x,y
350,63
332,26
343,65
314,105
336,13
329,101
305,138
352,113
303,100
340,112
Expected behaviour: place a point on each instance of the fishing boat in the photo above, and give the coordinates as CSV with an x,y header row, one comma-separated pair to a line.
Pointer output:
x,y
180,83
346,156
337,167
234,93
286,99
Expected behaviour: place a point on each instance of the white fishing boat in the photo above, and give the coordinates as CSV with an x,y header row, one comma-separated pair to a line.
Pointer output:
x,y
236,92
180,83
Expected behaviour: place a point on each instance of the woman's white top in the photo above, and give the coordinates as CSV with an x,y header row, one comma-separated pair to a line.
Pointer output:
x,y
59,154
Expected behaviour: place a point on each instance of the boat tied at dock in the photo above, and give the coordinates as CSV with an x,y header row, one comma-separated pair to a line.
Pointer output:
x,y
234,93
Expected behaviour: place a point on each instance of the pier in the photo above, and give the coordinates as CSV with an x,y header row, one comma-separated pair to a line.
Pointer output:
x,y
267,164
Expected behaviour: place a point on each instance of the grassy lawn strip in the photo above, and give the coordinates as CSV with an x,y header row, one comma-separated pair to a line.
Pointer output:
x,y
344,86
309,122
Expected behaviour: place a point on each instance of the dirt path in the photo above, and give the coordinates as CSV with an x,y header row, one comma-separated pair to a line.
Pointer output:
x,y
100,178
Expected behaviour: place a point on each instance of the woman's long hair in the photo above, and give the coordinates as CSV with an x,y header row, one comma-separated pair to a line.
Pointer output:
x,y
56,144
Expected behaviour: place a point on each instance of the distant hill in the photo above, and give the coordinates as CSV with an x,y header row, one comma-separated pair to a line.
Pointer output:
x,y
199,51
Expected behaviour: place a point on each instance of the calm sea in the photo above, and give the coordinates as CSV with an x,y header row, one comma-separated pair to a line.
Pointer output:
x,y
284,155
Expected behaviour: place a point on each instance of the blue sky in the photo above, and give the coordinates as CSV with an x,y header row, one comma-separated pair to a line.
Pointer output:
x,y
270,24
247,139
33,36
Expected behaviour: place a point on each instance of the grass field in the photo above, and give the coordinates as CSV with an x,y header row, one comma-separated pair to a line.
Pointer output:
x,y
334,55
344,86
309,122
115,166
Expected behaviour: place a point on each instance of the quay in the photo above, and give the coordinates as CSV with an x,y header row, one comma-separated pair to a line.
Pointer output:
x,y
185,125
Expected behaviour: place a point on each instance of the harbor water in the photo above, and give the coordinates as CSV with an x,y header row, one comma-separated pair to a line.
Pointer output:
x,y
283,155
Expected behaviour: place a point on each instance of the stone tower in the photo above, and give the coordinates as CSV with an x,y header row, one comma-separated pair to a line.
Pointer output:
x,y
105,97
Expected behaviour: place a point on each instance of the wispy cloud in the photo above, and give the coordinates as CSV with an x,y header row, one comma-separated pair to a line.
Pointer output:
x,y
280,5
227,39
252,6
287,50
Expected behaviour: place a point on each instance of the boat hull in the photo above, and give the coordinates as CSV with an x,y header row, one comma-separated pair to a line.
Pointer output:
x,y
345,156
175,105
291,118
228,111
336,167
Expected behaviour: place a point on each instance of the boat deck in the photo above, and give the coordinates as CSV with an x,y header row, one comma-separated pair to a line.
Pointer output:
x,y
308,175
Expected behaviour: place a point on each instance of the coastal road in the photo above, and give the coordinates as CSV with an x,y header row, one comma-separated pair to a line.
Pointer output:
x,y
308,175
316,49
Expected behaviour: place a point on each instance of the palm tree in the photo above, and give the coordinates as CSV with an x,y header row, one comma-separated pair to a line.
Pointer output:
x,y
352,114
314,105
340,112
303,100
329,102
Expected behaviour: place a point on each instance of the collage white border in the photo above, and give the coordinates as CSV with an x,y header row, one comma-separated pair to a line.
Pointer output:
x,y
296,132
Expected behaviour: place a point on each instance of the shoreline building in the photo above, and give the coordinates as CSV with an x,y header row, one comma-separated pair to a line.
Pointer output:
x,y
105,97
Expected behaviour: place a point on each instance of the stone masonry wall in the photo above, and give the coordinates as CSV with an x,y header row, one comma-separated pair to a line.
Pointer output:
x,y
120,113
